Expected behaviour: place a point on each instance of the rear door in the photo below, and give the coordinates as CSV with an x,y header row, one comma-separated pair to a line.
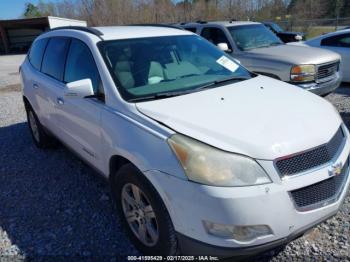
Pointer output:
x,y
341,45
31,76
79,118
49,81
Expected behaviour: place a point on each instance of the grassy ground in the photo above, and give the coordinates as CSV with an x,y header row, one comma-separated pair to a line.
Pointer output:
x,y
319,30
314,30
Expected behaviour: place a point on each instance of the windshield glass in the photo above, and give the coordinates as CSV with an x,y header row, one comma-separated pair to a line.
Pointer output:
x,y
146,67
276,27
248,37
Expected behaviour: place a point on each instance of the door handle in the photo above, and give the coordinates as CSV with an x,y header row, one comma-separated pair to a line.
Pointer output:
x,y
60,100
35,86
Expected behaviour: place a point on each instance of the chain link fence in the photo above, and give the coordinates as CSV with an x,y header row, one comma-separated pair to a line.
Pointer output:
x,y
315,27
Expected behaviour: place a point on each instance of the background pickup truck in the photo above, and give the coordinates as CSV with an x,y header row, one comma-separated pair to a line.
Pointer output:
x,y
262,52
285,36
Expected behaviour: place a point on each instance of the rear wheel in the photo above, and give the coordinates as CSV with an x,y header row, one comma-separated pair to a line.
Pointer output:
x,y
143,213
40,137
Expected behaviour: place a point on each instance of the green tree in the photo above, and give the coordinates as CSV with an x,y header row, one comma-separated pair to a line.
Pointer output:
x,y
31,11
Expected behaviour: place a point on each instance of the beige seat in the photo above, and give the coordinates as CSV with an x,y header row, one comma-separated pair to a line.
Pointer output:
x,y
122,70
156,73
176,70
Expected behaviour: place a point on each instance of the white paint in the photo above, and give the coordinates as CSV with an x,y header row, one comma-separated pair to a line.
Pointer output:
x,y
59,21
262,118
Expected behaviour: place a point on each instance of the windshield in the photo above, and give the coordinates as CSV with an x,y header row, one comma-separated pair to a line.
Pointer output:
x,y
146,67
248,37
276,27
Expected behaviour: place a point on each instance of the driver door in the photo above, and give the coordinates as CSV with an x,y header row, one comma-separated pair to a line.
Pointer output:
x,y
79,118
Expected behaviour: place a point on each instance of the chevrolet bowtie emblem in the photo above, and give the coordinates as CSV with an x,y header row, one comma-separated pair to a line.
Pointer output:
x,y
336,169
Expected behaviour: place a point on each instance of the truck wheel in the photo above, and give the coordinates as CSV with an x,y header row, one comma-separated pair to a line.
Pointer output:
x,y
142,212
40,137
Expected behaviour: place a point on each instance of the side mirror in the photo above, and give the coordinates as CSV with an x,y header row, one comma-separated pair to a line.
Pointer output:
x,y
79,89
298,37
224,47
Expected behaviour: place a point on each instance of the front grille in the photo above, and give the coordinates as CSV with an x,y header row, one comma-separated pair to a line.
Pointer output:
x,y
322,193
325,71
312,158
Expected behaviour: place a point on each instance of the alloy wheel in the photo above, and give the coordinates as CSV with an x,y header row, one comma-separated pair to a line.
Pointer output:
x,y
139,214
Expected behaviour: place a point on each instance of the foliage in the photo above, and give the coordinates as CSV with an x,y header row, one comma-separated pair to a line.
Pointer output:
x,y
112,12
31,11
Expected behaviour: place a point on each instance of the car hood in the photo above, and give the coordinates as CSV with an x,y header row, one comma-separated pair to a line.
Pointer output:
x,y
295,54
262,118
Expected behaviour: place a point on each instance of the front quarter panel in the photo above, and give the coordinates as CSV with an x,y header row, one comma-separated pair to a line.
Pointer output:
x,y
136,140
258,64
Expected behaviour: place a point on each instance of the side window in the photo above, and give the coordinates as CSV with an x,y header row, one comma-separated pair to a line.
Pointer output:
x,y
215,35
36,52
81,65
191,29
337,41
54,57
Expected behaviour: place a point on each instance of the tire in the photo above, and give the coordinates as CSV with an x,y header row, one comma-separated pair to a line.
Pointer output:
x,y
40,137
164,241
324,95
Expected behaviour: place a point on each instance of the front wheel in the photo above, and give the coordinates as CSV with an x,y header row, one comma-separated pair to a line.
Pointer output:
x,y
143,213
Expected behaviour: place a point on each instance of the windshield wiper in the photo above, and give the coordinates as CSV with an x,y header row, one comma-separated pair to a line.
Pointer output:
x,y
262,46
159,96
178,93
274,44
218,82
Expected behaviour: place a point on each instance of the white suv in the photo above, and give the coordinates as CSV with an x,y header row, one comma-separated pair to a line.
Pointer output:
x,y
203,157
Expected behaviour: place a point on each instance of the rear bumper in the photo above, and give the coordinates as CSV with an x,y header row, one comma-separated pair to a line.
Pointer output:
x,y
190,246
323,88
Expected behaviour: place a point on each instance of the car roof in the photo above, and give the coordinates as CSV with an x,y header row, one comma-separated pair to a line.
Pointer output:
x,y
127,32
117,32
340,32
222,23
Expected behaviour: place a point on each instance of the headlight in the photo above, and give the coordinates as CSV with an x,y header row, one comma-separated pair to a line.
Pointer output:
x,y
303,73
210,166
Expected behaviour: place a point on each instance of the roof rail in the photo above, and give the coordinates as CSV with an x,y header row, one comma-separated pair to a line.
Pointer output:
x,y
159,25
87,29
201,22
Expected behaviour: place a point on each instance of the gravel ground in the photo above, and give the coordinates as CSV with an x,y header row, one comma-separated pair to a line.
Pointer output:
x,y
9,65
51,203
54,205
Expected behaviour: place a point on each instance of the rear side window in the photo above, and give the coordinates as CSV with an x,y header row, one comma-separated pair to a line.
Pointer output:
x,y
337,41
54,57
36,52
191,29
81,65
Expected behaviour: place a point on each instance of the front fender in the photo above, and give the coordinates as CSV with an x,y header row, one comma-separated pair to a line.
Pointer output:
x,y
138,139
